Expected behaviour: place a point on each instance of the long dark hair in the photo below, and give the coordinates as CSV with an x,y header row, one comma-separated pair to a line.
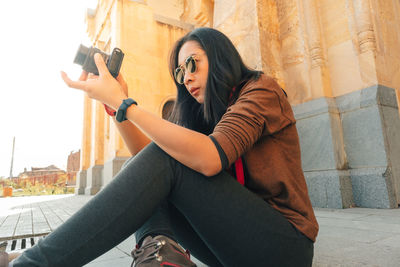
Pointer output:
x,y
226,70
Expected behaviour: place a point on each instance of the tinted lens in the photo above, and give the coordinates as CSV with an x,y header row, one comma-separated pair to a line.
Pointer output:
x,y
179,75
191,64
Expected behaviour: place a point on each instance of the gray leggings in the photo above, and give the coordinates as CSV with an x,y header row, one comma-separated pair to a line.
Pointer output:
x,y
219,221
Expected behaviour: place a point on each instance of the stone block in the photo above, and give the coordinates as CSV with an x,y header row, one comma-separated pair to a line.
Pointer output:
x,y
111,168
94,179
363,137
80,182
316,143
315,107
391,120
322,152
372,95
320,132
373,187
387,96
329,189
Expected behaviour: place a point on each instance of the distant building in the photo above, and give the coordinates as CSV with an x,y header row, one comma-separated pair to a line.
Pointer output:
x,y
73,165
46,175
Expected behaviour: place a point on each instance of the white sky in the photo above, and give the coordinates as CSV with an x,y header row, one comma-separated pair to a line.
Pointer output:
x,y
38,40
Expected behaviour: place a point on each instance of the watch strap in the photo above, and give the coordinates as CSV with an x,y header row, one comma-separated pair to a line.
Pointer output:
x,y
121,113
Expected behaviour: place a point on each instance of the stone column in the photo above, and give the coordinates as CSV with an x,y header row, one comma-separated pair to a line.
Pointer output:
x,y
320,128
366,42
293,55
320,81
94,173
86,147
239,21
269,40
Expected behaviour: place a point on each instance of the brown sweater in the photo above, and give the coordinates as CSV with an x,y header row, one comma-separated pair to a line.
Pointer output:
x,y
260,126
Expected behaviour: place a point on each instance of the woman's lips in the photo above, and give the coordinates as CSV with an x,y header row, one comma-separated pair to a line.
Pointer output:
x,y
194,90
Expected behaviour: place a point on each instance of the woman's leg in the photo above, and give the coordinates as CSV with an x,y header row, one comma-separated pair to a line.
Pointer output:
x,y
157,224
110,216
240,220
168,221
237,226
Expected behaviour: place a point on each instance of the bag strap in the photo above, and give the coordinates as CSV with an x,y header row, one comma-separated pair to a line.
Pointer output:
x,y
239,162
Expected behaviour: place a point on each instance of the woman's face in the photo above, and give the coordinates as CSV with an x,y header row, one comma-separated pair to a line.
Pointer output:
x,y
194,82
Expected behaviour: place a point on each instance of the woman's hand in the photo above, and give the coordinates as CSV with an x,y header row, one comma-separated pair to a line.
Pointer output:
x,y
103,88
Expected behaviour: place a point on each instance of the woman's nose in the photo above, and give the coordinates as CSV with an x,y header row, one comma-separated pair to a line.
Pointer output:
x,y
188,77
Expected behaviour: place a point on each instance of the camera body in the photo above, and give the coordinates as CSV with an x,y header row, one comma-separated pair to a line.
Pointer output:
x,y
85,58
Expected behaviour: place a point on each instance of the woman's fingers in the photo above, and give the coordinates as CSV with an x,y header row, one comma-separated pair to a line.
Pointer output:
x,y
92,76
101,66
84,76
122,82
73,84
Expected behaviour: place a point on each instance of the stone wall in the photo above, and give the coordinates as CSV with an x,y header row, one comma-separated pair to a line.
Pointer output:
x,y
338,60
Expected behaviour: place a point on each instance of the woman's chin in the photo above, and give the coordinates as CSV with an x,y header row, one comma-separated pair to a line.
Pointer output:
x,y
199,99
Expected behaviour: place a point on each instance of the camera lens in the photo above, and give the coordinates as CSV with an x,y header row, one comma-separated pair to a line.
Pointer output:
x,y
81,55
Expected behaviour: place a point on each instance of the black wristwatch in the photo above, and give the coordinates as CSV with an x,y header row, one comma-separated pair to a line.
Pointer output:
x,y
121,113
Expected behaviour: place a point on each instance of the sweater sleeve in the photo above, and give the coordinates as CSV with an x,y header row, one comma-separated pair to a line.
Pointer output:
x,y
257,112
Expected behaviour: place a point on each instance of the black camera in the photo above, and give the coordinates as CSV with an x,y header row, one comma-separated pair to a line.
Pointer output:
x,y
85,58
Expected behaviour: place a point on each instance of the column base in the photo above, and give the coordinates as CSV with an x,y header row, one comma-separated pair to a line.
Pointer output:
x,y
330,189
373,187
80,182
94,179
111,168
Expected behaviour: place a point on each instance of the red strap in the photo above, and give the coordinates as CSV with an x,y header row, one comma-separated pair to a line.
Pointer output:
x,y
239,171
109,110
238,163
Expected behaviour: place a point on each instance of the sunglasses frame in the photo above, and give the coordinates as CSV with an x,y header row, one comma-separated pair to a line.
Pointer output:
x,y
180,68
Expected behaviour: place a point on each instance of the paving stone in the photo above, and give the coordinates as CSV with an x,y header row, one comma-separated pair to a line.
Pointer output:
x,y
123,261
393,241
127,245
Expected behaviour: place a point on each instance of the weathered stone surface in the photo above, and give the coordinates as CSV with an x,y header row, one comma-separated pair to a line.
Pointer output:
x,y
246,37
321,137
316,143
363,136
373,187
329,189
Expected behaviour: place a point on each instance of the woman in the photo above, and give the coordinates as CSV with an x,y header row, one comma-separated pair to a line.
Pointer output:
x,y
227,121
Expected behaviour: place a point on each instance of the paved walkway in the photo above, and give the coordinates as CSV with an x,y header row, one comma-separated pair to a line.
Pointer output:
x,y
348,237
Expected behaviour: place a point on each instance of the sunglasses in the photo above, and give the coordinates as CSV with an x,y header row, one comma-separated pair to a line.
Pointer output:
x,y
190,65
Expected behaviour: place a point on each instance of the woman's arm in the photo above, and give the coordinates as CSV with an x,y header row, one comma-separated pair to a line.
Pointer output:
x,y
193,149
134,138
